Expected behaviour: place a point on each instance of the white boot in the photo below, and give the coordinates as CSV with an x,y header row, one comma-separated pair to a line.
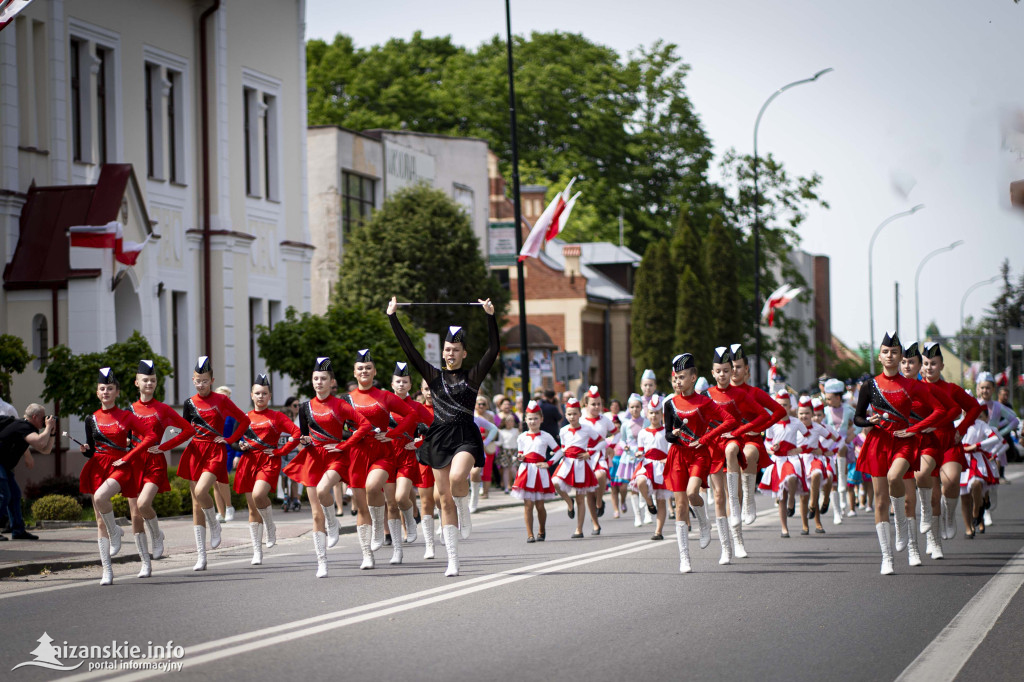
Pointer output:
x,y
395,526
428,537
200,532
929,542
634,501
465,523
725,540
108,570
256,535
267,514
883,541
924,496
474,497
900,514
229,514
214,524
409,517
683,540
709,496
365,533
156,536
140,544
645,512
913,554
451,546
936,542
320,547
987,518
331,524
749,507
703,524
951,503
837,511
378,521
114,532
732,484
841,482
738,550
942,517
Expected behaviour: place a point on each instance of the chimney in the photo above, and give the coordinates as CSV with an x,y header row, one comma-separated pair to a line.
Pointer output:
x,y
571,255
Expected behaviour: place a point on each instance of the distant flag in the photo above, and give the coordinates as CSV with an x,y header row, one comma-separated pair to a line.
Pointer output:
x,y
127,252
550,223
778,299
8,10
109,236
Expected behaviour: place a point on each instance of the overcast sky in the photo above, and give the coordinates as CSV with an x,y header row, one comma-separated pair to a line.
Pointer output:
x,y
915,101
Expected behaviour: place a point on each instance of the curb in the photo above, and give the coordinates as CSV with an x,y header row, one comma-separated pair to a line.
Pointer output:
x,y
55,565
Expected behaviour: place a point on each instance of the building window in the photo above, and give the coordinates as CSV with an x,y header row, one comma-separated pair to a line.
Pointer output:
x,y
76,99
173,134
166,107
93,76
270,141
103,61
250,130
261,138
40,341
150,133
357,194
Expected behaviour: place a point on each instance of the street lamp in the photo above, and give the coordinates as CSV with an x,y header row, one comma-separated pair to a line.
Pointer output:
x,y
871,279
917,279
963,302
757,219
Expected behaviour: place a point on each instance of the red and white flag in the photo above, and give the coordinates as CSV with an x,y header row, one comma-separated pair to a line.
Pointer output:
x,y
96,236
778,299
10,8
550,223
127,252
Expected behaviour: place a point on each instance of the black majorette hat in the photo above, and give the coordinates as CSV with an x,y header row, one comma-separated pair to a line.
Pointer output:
x,y
722,354
892,339
932,350
146,367
203,365
911,351
683,361
323,364
737,351
456,335
364,355
261,380
401,369
106,376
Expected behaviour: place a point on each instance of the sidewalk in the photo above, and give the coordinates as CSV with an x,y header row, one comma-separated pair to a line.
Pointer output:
x,y
63,548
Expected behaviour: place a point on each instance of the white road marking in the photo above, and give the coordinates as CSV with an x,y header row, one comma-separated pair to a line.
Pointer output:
x,y
949,651
243,643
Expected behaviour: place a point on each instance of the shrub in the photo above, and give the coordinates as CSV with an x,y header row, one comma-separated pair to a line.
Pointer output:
x,y
169,503
120,503
57,508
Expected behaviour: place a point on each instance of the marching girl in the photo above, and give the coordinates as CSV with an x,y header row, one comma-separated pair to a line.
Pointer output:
x,y
980,443
158,417
533,483
612,453
889,450
407,472
372,461
604,427
648,389
785,478
323,460
830,452
509,432
452,444
814,443
574,475
480,477
426,489
631,423
839,416
652,450
114,466
204,461
260,464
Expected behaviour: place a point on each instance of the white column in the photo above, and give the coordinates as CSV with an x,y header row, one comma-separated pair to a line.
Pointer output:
x,y
92,325
58,51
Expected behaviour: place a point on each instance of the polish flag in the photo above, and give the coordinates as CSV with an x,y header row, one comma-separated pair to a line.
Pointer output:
x,y
778,299
10,8
550,223
127,252
96,236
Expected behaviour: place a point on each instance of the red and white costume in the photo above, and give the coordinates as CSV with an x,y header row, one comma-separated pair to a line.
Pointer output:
x,y
652,449
207,416
982,464
815,444
734,401
262,461
763,403
604,428
533,480
158,417
324,422
781,442
405,459
109,436
426,477
574,473
376,407
693,415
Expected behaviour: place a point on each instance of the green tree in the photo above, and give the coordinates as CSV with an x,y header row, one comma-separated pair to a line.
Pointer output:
x,y
420,247
724,307
931,331
71,378
14,358
293,345
691,329
654,310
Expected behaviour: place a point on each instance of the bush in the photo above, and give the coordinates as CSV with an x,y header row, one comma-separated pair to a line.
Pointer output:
x,y
120,503
169,503
57,508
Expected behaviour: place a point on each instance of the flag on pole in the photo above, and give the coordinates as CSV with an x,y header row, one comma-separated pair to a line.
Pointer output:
x,y
96,236
778,299
127,252
551,222
10,8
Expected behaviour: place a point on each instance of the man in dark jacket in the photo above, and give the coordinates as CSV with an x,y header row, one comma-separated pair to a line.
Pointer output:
x,y
16,437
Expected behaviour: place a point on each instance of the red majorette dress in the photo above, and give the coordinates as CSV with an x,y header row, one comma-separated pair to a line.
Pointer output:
x,y
159,417
892,398
324,422
764,403
405,459
426,480
692,415
108,434
815,443
376,407
533,480
735,402
207,415
574,473
652,449
262,460
946,449
982,464
781,442
932,443
605,428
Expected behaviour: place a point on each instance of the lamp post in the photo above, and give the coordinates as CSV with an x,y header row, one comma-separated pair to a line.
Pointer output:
x,y
917,278
757,220
963,302
871,279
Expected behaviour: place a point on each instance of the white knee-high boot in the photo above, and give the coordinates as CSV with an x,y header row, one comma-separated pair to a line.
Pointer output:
x,y
683,540
140,544
108,570
256,535
841,482
114,532
899,510
395,526
365,533
837,511
267,514
451,546
725,540
200,533
156,536
703,524
409,518
331,524
634,502
320,547
924,497
951,525
749,507
913,553
378,521
738,549
214,524
474,496
428,536
884,543
465,523
732,484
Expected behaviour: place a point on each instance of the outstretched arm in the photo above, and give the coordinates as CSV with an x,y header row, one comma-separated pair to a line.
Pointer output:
x,y
493,346
426,370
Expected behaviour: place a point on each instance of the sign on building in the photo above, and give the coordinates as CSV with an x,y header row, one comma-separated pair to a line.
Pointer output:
x,y
432,348
501,239
404,167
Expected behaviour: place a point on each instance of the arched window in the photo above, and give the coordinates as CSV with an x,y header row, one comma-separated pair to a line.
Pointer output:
x,y
40,341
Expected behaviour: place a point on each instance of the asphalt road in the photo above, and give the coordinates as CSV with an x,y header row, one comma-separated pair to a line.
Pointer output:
x,y
601,608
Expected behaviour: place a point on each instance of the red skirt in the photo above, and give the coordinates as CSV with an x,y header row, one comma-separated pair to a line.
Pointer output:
x,y
364,455
764,460
101,467
426,480
488,469
408,467
718,459
881,450
814,463
154,470
201,456
575,475
256,466
533,482
654,471
684,462
313,461
386,461
782,469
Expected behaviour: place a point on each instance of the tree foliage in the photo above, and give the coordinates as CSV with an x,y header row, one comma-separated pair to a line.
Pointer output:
x,y
14,358
720,267
654,309
71,378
